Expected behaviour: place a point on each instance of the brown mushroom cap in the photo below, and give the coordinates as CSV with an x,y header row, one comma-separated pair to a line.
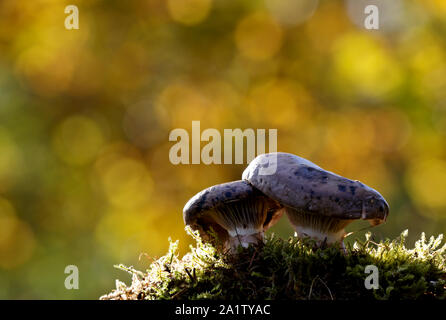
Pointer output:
x,y
233,210
314,196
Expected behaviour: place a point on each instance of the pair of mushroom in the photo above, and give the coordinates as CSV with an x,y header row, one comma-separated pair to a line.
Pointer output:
x,y
319,204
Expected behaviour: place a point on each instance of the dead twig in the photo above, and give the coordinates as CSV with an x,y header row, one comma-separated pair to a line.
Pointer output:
x,y
322,281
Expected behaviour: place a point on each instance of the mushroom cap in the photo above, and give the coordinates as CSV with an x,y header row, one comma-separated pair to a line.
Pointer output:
x,y
230,205
305,187
215,196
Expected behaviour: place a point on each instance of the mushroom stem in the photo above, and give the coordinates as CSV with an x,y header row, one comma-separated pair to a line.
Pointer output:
x,y
244,240
329,237
323,229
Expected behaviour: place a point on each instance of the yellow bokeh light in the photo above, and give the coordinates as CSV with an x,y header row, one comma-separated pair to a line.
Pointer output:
x,y
426,180
292,12
428,62
278,100
124,179
77,140
127,233
221,95
366,104
119,233
258,37
436,6
390,129
127,183
327,23
347,141
189,12
426,141
127,62
46,66
179,104
47,72
363,64
10,159
16,238
7,221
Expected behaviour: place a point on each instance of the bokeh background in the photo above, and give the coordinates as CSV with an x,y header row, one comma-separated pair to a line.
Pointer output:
x,y
85,116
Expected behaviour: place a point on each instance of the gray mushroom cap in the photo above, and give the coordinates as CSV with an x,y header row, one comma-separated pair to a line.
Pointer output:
x,y
300,184
231,209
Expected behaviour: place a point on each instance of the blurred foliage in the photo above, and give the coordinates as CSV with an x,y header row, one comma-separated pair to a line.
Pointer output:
x,y
85,116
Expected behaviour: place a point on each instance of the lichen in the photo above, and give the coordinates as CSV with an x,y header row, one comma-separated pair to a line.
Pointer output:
x,y
293,269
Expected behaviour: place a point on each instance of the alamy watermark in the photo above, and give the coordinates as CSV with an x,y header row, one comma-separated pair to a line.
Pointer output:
x,y
72,20
211,153
371,281
372,20
72,280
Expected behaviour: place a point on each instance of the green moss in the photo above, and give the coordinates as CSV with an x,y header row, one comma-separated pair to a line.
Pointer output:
x,y
293,269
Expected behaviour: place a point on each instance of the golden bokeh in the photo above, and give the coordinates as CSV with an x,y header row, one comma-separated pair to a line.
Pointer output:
x,y
10,160
428,62
436,6
258,36
179,104
7,221
189,12
291,12
426,181
86,115
17,240
77,140
391,129
124,178
274,97
363,63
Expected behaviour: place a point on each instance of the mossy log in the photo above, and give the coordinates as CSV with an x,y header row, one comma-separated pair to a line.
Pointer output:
x,y
293,269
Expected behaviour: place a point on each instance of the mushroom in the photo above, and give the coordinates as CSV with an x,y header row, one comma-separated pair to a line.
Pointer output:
x,y
236,212
318,203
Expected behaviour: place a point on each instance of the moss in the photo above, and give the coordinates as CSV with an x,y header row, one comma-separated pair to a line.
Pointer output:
x,y
293,269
